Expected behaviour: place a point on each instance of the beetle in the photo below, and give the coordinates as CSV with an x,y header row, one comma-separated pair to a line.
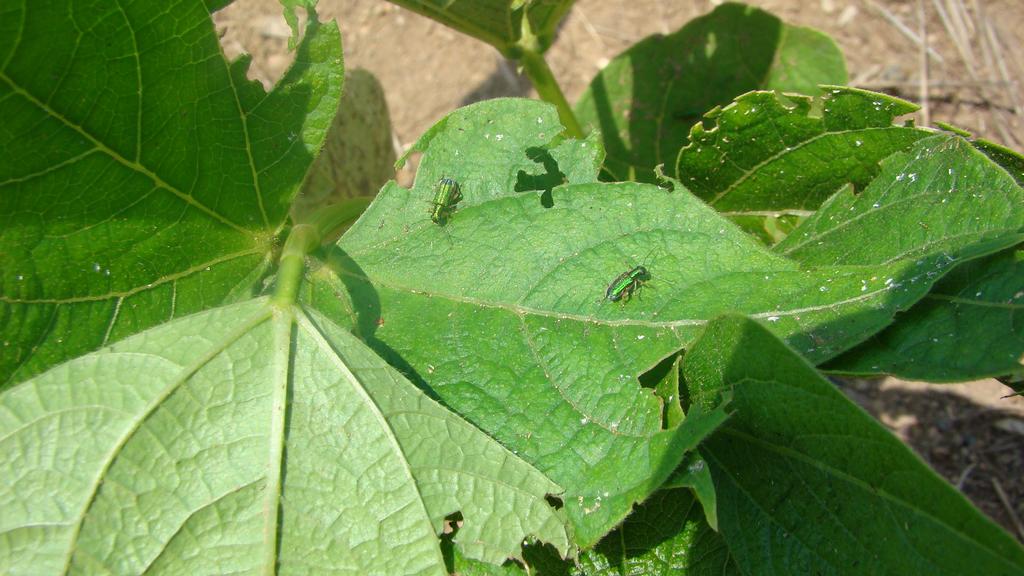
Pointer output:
x,y
446,195
627,283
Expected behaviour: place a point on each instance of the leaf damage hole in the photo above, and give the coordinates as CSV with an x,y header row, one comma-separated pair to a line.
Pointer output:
x,y
554,501
544,182
452,523
663,379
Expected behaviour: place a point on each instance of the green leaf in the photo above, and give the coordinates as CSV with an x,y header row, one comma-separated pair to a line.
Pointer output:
x,y
358,155
498,147
1011,161
490,310
497,22
965,328
770,153
808,483
694,474
251,438
968,327
946,199
144,178
437,301
647,98
529,271
665,536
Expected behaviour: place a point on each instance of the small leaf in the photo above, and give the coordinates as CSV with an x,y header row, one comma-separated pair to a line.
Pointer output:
x,y
496,22
251,438
144,177
647,98
765,152
946,199
968,327
807,483
1011,161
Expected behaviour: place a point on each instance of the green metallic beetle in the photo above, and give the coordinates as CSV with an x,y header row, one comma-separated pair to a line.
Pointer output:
x,y
627,283
446,195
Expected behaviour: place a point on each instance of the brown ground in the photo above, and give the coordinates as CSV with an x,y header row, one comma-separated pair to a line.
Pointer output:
x,y
968,433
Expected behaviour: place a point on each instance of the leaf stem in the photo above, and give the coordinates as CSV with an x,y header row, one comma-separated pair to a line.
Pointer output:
x,y
539,73
303,239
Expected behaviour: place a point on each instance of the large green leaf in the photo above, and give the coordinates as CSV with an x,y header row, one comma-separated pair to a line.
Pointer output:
x,y
492,310
143,177
968,327
647,98
251,438
500,23
808,483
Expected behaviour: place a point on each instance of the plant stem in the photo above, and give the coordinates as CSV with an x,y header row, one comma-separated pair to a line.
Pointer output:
x,y
539,73
303,239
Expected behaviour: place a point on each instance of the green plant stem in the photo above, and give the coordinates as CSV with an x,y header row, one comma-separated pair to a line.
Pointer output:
x,y
303,239
543,80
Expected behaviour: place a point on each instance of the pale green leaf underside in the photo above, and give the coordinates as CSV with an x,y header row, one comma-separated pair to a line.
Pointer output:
x,y
807,483
143,176
647,98
246,436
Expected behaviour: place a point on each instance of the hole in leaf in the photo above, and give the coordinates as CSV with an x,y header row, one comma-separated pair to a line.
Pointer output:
x,y
554,501
451,526
664,379
654,376
452,523
543,182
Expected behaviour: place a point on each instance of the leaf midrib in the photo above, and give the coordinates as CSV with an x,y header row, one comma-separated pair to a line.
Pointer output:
x,y
959,300
524,311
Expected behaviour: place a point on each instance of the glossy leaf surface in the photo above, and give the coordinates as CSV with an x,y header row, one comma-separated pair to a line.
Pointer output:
x,y
144,176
